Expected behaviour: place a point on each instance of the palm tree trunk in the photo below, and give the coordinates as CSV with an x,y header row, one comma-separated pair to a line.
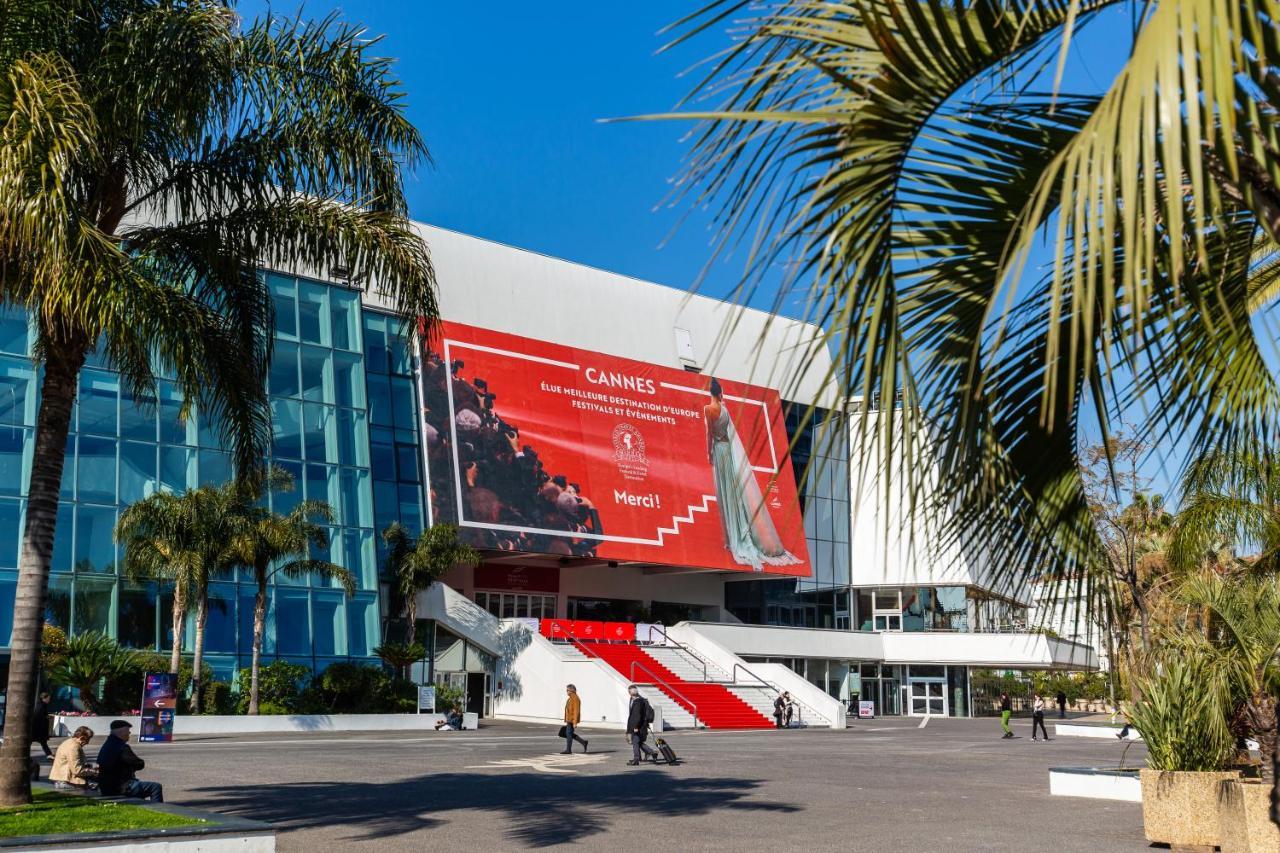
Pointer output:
x,y
411,613
179,611
259,625
197,658
57,395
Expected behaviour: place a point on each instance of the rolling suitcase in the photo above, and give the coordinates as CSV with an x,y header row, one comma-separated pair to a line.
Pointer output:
x,y
668,754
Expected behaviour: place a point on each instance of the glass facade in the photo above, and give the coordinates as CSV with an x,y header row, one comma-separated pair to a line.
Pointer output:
x,y
820,460
343,406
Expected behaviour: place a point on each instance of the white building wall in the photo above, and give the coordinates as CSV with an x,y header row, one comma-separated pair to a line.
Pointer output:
x,y
512,290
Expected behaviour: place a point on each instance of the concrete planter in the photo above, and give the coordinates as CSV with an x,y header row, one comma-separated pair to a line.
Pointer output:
x,y
1245,825
210,724
1181,808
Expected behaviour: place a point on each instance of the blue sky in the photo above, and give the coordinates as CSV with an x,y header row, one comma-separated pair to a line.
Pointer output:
x,y
509,97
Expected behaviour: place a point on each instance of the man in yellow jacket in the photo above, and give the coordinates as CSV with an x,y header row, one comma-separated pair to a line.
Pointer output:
x,y
572,716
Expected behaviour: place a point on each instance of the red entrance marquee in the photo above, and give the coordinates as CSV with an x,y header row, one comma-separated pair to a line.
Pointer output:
x,y
543,448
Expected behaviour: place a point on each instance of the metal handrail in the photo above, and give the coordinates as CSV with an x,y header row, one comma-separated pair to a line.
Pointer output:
x,y
769,684
679,645
692,704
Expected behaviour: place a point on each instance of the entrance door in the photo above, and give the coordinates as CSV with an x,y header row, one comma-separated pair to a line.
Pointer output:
x,y
477,682
928,697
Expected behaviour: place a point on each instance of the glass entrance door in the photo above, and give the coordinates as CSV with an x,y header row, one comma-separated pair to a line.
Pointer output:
x,y
928,697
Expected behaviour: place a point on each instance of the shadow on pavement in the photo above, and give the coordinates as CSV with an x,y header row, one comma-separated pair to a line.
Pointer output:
x,y
542,810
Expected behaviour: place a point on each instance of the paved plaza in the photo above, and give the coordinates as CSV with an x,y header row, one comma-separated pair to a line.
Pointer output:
x,y
953,785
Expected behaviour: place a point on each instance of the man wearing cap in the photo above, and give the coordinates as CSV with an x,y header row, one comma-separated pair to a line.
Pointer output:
x,y
118,766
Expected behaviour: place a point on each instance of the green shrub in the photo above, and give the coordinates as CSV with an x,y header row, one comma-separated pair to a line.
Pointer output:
x,y
1180,713
91,660
218,698
280,686
447,697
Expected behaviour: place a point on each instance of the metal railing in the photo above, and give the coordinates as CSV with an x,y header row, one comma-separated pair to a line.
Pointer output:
x,y
665,686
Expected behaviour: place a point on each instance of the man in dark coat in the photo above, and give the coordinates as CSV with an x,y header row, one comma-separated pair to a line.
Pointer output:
x,y
118,767
638,727
40,724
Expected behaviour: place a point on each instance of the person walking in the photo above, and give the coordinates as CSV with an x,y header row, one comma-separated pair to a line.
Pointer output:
x,y
1062,705
1006,711
639,716
572,716
1037,716
40,724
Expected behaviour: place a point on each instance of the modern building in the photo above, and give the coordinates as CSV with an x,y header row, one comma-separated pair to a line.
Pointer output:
x,y
387,427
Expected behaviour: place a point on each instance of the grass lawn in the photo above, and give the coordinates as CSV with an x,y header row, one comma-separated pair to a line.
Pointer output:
x,y
52,813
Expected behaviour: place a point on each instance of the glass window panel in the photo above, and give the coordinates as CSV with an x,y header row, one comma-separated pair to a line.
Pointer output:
x,y
398,347
322,485
386,502
357,498
208,430
320,433
286,428
63,538
14,331
93,605
67,488
284,370
138,613
283,501
137,471
95,550
177,469
375,343
317,375
220,629
362,616
383,454
407,463
16,447
348,380
353,438
57,604
359,558
8,592
173,429
284,301
97,402
137,416
402,402
96,470
344,308
327,617
17,392
293,628
380,407
10,533
410,506
313,313
215,467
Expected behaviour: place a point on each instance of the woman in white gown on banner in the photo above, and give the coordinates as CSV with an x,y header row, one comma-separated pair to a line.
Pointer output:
x,y
749,534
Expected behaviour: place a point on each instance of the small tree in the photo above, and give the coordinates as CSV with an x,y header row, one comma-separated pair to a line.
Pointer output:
x,y
414,566
91,658
271,544
400,656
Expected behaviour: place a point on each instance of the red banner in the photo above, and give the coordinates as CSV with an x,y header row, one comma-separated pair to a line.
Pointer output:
x,y
544,448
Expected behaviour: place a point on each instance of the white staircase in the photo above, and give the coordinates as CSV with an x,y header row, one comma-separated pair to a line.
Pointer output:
x,y
686,666
760,698
673,716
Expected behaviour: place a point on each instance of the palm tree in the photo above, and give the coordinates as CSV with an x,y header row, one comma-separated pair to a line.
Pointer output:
x,y
1243,630
400,656
271,544
155,157
901,158
90,658
414,565
184,539
158,535
1230,499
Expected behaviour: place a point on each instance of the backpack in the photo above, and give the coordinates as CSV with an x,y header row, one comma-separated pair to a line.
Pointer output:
x,y
648,712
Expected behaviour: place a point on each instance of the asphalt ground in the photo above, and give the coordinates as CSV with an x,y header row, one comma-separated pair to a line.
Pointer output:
x,y
953,785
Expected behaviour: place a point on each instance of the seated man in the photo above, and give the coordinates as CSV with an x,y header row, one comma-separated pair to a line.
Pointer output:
x,y
453,719
118,767
69,767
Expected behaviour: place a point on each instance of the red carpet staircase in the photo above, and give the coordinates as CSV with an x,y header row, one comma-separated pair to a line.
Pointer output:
x,y
713,705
